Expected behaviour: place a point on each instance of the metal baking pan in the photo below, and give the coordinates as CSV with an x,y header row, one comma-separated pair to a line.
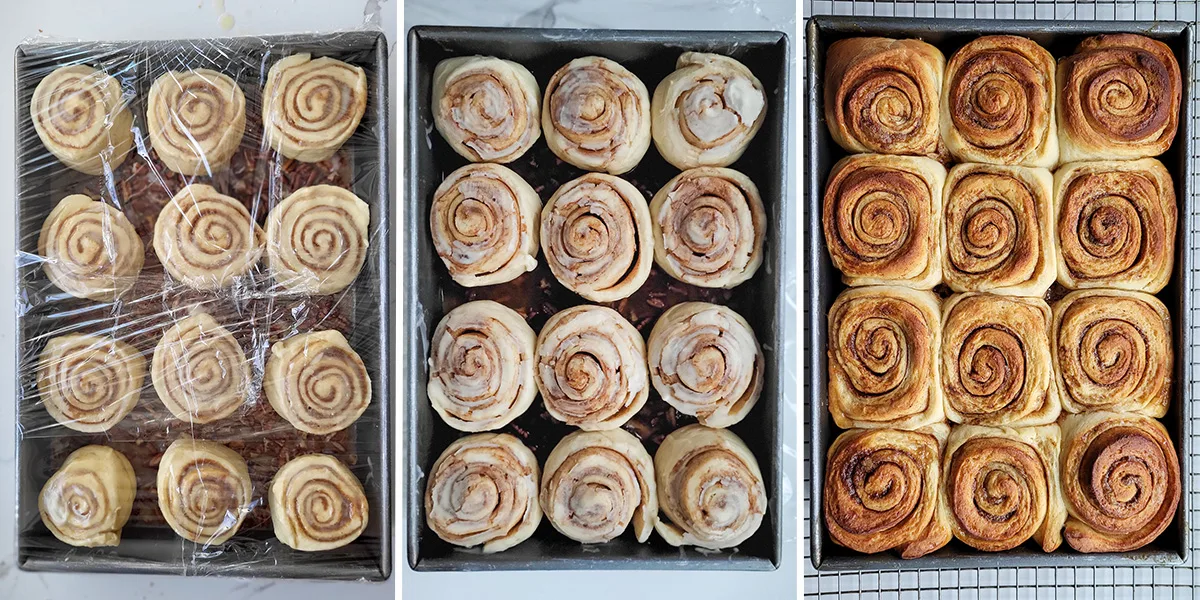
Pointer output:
x,y
364,310
824,282
429,292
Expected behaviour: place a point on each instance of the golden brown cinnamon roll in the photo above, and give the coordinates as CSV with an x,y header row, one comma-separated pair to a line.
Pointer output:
x,y
486,108
91,250
883,220
89,382
204,490
317,239
597,238
196,120
317,382
89,499
596,115
199,370
317,504
883,353
1114,225
205,239
483,491
312,106
1119,97
82,118
1120,478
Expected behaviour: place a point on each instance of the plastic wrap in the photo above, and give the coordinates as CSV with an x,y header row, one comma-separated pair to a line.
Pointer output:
x,y
201,271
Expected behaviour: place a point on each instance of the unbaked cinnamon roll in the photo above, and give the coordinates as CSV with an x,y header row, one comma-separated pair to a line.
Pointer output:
x,y
596,115
195,120
317,382
488,109
89,499
91,250
205,239
317,504
317,239
481,366
709,224
199,370
882,219
312,106
706,111
596,483
484,223
483,491
883,352
1119,97
705,362
591,368
82,118
597,238
1120,478
1115,225
204,491
89,382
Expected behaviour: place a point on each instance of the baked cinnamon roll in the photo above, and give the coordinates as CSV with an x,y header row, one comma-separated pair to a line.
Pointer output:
x,y
486,108
89,499
317,382
199,370
206,240
89,382
312,106
91,250
83,119
317,504
204,491
596,115
195,120
317,239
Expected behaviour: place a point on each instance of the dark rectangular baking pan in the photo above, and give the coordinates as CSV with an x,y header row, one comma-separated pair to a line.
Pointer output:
x,y
824,281
42,181
429,293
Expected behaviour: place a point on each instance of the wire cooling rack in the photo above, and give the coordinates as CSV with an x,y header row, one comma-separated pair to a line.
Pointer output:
x,y
1079,583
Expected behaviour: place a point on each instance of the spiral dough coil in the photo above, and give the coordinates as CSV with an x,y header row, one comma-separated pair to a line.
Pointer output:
x,y
486,108
91,250
206,240
89,499
199,370
317,504
204,491
312,106
317,239
317,382
196,120
81,116
596,115
89,383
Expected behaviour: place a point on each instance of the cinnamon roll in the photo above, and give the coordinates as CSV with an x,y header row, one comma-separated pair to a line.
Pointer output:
x,y
596,483
1121,481
882,220
317,239
312,106
89,382
1115,225
996,364
484,223
89,499
882,95
591,368
199,370
317,382
1119,97
881,490
706,112
91,250
483,491
486,108
596,115
317,504
709,224
883,358
83,119
997,230
204,491
481,366
998,103
206,240
597,238
195,120
705,362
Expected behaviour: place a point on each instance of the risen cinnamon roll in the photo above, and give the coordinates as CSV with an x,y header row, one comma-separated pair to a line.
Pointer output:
x,y
91,250
1115,225
204,490
312,106
883,220
707,111
82,118
591,368
199,370
705,361
317,504
883,352
486,108
882,95
1120,478
317,382
317,239
89,499
483,491
89,382
206,240
597,238
881,490
596,483
596,115
481,366
1119,97
996,364
998,103
195,120
484,222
